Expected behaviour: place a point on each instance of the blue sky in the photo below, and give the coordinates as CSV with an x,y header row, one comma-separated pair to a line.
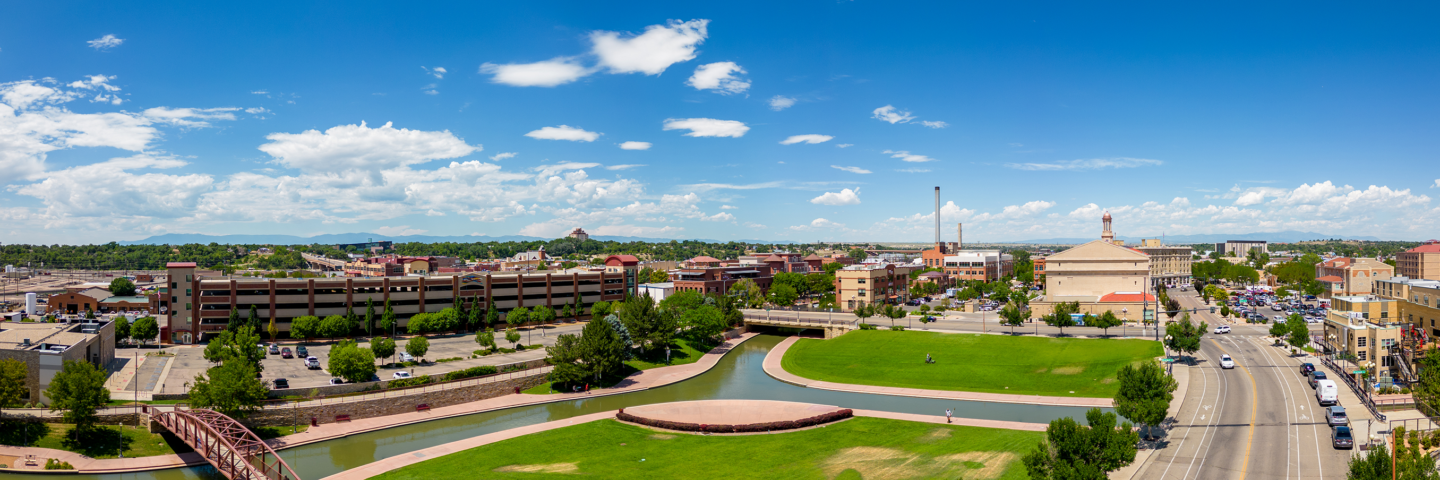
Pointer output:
x,y
797,120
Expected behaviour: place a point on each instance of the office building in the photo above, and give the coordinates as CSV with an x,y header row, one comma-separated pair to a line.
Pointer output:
x,y
1345,276
1241,248
981,265
859,285
1168,263
1421,263
44,347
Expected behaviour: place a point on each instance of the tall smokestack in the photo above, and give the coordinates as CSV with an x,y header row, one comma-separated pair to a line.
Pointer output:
x,y
959,237
937,219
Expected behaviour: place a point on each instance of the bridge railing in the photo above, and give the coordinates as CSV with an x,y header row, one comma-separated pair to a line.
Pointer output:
x,y
399,393
792,317
1361,391
235,451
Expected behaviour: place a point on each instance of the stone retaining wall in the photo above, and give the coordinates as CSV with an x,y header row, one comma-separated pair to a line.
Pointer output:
x,y
102,419
390,406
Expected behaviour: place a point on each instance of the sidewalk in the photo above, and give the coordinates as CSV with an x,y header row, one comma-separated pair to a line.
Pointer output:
x,y
1182,377
773,368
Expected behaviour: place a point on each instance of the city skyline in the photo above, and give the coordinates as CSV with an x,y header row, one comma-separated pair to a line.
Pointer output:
x,y
809,123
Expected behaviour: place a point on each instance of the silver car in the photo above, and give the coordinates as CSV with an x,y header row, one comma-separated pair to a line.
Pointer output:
x,y
1335,416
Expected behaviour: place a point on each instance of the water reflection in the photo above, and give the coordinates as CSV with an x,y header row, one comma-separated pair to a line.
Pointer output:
x,y
738,376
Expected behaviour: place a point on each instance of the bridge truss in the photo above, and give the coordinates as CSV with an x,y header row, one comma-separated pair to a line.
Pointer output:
x,y
234,450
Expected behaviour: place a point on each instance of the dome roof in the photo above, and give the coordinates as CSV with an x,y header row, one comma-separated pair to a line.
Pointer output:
x,y
1107,216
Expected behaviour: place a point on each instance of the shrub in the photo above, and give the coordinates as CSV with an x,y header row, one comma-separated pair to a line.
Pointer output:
x,y
471,372
409,382
514,367
866,326
897,328
483,352
53,464
753,427
451,359
506,350
409,364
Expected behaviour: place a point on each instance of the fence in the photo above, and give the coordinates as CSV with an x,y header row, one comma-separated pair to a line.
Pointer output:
x,y
1360,391
797,318
407,391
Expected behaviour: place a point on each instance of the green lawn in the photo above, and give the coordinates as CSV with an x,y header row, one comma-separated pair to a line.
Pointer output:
x,y
681,353
852,449
1067,367
105,442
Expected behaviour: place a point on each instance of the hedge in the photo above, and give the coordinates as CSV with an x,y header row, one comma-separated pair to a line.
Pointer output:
x,y
747,428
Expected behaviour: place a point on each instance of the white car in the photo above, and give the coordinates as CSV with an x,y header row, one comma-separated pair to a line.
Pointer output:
x,y
1222,329
1226,362
406,357
400,375
312,363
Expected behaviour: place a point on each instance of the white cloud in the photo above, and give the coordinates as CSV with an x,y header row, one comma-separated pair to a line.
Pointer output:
x,y
707,127
850,169
914,170
719,217
106,42
437,72
719,76
845,145
705,187
935,124
564,132
1087,164
260,92
110,189
753,225
548,73
1255,196
728,207
650,52
183,116
635,146
502,155
810,138
818,224
781,102
1437,183
358,147
399,231
1019,211
624,166
636,230
888,113
843,197
257,110
907,156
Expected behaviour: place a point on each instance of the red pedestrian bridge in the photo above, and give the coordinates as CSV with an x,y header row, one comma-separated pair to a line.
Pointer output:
x,y
234,450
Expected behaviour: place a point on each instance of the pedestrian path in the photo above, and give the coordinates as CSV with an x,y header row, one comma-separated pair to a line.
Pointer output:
x,y
773,368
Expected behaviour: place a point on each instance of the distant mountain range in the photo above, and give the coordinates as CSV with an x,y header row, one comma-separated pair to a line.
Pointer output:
x,y
1288,236
343,238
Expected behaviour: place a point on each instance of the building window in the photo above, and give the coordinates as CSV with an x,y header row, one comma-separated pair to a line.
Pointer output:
x,y
1361,356
1360,342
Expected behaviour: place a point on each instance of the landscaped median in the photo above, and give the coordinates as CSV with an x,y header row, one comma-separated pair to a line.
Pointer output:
x,y
992,364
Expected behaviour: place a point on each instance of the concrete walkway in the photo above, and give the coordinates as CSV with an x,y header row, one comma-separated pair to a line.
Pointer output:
x,y
643,380
774,369
87,465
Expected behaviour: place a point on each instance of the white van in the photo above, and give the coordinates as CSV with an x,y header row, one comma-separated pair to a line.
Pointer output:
x,y
1327,393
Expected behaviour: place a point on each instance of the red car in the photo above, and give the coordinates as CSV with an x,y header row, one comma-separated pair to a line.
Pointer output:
x,y
285,353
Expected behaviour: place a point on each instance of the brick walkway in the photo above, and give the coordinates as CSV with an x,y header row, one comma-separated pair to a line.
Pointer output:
x,y
773,368
643,380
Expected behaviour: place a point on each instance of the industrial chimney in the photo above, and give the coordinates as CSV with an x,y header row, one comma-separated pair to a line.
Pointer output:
x,y
939,247
959,237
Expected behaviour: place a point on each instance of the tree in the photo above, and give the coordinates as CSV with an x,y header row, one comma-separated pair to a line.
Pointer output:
x,y
704,323
864,312
599,310
602,348
567,357
1279,330
1105,322
658,276
567,312
382,347
1299,334
748,292
1011,316
858,255
1185,335
542,314
417,346
512,335
387,319
1061,318
492,316
122,329
232,388
241,346
254,320
418,324
517,317
1313,288
1410,462
272,330
12,382
1073,451
832,267
1145,394
352,363
1224,311
369,316
234,321
1426,390
1172,307
304,327
145,329
334,326
648,326
486,339
783,295
78,389
122,287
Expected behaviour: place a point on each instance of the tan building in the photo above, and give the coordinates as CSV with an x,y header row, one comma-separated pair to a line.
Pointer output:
x,y
44,347
1100,275
1421,263
1344,276
77,301
867,284
982,265
579,234
1367,340
1417,300
1168,263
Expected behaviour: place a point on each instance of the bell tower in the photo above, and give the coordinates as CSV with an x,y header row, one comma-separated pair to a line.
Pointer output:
x,y
1107,235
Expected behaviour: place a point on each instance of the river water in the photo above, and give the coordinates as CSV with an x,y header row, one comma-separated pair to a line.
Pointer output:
x,y
739,375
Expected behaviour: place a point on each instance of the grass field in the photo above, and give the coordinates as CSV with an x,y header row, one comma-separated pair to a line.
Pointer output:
x,y
1066,367
861,447
105,442
686,353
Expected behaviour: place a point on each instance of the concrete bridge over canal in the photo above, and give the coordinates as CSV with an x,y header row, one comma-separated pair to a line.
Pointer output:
x,y
832,324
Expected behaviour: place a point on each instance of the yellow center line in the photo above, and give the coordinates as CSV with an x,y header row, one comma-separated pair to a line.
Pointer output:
x,y
1254,405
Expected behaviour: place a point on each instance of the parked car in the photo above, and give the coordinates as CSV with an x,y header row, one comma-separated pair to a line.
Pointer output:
x,y
274,349
1280,318
261,346
400,375
1335,416
312,363
1277,308
336,381
1222,329
1316,376
406,357
301,352
286,353
1306,369
282,383
1226,362
1340,438
1327,393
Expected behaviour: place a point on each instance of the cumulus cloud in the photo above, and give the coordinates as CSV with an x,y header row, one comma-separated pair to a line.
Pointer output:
x,y
850,169
502,155
399,231
819,223
843,197
728,207
890,114
106,42
111,188
359,147
1087,164
781,102
651,52
635,146
707,127
907,156
1437,183
548,73
810,138
564,132
719,76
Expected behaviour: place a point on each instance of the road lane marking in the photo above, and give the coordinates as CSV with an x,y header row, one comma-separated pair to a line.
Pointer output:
x,y
1254,407
1289,395
1212,430
1204,387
